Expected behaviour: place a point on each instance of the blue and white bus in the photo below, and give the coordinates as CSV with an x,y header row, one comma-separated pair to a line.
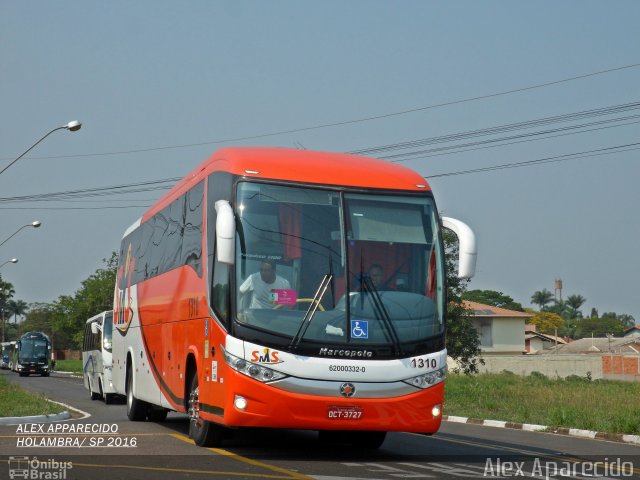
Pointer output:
x,y
97,357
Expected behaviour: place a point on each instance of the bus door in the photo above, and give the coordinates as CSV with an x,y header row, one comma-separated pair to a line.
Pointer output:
x,y
91,355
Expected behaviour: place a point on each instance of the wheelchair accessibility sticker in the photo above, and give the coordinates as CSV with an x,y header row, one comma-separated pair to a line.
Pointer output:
x,y
360,329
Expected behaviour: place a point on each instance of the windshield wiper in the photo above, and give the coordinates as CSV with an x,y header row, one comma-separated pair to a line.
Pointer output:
x,y
381,313
311,311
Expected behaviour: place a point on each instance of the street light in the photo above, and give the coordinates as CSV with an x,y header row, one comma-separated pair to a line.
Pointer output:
x,y
13,260
73,126
35,224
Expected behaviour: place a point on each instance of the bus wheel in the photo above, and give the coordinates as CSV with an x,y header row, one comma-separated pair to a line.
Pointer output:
x,y
107,397
203,433
136,409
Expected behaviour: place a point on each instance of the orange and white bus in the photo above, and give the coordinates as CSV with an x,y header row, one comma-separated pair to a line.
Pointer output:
x,y
246,297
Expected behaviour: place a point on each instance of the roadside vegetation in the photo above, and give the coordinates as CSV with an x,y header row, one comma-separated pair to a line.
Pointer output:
x,y
73,366
575,402
16,402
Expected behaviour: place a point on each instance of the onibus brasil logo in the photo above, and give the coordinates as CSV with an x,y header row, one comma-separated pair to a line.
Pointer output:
x,y
32,468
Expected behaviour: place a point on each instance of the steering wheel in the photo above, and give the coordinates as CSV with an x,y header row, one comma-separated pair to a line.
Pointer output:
x,y
304,300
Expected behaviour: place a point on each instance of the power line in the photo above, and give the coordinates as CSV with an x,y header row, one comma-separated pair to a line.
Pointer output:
x,y
165,184
563,118
521,138
558,158
441,153
99,191
350,122
77,208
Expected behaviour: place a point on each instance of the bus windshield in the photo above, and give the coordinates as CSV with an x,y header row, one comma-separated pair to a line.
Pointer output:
x,y
325,267
107,331
34,350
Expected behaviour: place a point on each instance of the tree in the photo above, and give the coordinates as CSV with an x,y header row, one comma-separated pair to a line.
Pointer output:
x,y
463,342
599,327
547,322
94,296
64,319
627,320
574,302
542,298
6,293
17,307
491,297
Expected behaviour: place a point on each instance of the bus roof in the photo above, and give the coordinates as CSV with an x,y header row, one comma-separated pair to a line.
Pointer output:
x,y
29,335
304,166
99,316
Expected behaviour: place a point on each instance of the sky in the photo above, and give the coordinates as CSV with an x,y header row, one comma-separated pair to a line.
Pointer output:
x,y
159,86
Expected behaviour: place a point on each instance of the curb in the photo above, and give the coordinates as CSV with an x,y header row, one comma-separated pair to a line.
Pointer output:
x,y
56,417
574,432
70,374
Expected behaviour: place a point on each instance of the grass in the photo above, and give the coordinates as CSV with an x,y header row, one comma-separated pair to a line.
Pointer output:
x,y
16,402
74,366
604,406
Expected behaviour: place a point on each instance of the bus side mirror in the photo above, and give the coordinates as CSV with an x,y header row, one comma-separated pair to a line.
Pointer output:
x,y
94,328
225,232
18,344
467,251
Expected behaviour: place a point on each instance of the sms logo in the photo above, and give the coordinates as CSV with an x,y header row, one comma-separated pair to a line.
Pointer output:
x,y
268,356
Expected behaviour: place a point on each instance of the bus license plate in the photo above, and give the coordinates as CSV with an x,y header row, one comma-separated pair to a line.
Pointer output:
x,y
345,413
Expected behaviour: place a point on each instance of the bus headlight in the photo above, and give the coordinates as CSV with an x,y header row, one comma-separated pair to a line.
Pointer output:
x,y
428,379
253,370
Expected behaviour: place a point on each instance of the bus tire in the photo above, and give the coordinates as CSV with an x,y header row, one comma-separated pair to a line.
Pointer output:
x,y
136,409
106,397
202,432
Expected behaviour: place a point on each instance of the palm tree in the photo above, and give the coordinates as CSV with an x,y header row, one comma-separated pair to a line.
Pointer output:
x,y
15,308
542,298
626,320
575,302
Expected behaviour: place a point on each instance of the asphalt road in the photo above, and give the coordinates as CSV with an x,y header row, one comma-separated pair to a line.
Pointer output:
x,y
137,450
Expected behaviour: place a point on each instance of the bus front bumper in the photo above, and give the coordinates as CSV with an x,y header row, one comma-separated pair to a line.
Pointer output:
x,y
253,404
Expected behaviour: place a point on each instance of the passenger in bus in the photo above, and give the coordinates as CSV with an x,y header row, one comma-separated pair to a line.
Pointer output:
x,y
260,286
376,274
379,278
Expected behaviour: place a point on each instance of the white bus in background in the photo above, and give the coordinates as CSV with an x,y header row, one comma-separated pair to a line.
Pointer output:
x,y
7,355
97,357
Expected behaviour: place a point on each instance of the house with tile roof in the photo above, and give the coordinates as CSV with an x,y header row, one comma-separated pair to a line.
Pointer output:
x,y
635,330
535,341
501,331
602,345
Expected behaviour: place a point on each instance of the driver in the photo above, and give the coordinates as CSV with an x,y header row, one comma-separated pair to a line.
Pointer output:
x,y
262,284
